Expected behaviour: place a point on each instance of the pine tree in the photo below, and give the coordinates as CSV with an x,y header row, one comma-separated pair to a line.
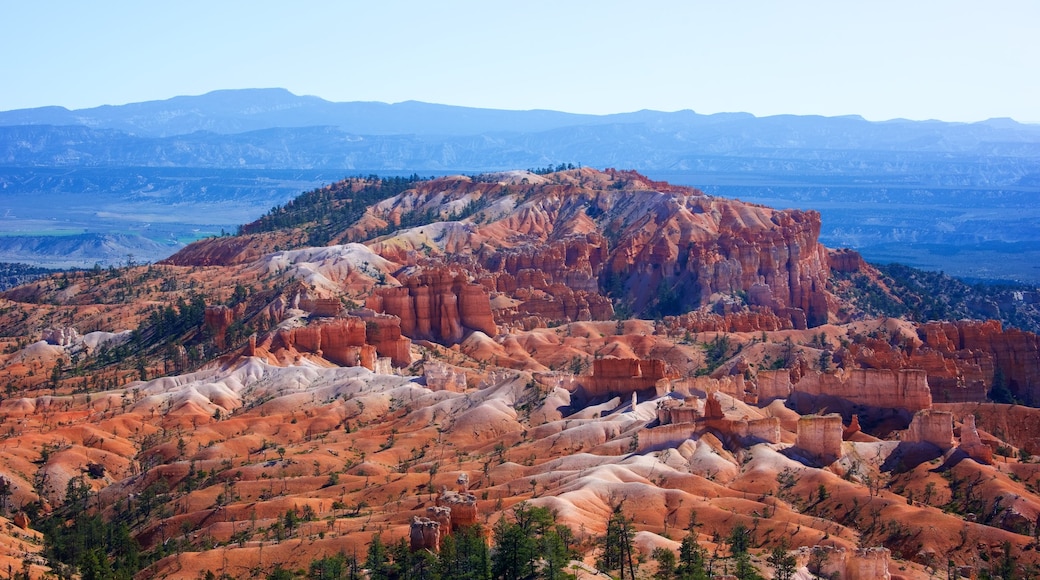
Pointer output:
x,y
617,545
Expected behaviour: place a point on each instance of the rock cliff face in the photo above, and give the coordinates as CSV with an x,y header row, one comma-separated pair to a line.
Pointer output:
x,y
931,426
972,444
438,305
978,350
624,376
885,389
424,534
558,248
463,506
820,437
850,564
675,411
218,319
696,246
338,340
348,341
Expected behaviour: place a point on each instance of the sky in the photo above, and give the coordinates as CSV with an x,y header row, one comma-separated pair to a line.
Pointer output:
x,y
951,60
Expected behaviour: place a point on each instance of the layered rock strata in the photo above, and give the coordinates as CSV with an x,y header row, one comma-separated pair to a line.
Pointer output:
x,y
880,388
439,305
624,376
931,426
820,437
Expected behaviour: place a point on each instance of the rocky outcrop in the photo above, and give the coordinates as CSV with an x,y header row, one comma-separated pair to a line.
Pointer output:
x,y
852,428
321,306
383,331
678,411
444,377
972,444
880,388
463,507
62,336
345,340
931,426
696,246
624,376
732,385
437,304
820,437
424,534
736,319
21,520
218,319
847,564
845,261
573,262
979,349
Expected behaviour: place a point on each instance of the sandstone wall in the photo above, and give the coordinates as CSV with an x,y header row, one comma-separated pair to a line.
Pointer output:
x,y
675,411
624,376
437,304
463,507
705,246
444,377
931,426
218,319
344,341
855,564
322,306
574,262
424,534
972,351
972,444
820,437
665,436
881,388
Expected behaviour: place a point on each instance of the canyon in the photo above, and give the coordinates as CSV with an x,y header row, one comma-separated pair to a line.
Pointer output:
x,y
576,340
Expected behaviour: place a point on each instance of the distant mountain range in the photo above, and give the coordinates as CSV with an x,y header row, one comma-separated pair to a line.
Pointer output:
x,y
272,128
951,175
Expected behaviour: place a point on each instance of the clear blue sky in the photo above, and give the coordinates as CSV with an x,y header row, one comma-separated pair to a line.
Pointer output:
x,y
951,60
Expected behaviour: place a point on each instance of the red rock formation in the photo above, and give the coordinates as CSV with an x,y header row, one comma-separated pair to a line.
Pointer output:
x,y
972,444
218,319
573,262
1016,425
463,508
675,411
852,428
665,436
980,348
21,520
437,304
322,306
713,407
931,426
424,534
845,260
344,341
961,359
820,437
902,389
705,246
849,564
444,377
623,376
383,331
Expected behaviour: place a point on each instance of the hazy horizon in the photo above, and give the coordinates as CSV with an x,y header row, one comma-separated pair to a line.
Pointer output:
x,y
501,109
949,61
